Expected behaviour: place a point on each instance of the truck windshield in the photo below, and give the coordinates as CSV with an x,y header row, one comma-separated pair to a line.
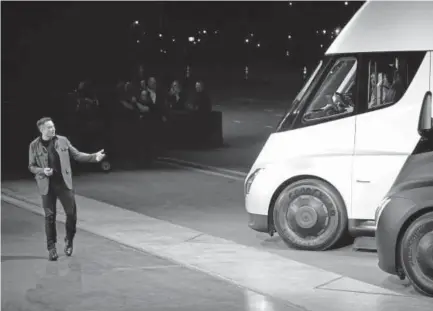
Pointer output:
x,y
300,95
306,86
308,83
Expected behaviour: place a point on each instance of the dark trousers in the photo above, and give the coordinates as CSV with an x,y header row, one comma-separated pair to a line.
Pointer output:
x,y
66,196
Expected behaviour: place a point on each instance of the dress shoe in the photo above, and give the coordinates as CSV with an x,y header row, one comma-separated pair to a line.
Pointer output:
x,y
68,247
52,254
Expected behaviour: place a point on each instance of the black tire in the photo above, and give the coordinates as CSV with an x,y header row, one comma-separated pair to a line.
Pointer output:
x,y
316,225
416,254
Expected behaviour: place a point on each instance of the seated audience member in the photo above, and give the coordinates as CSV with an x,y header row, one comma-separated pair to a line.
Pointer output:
x,y
176,99
152,89
156,118
201,101
157,104
144,102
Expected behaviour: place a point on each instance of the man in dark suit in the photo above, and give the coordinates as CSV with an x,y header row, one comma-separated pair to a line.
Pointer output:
x,y
49,161
157,102
157,114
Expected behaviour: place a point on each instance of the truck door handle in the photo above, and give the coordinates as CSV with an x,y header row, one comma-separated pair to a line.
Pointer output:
x,y
363,181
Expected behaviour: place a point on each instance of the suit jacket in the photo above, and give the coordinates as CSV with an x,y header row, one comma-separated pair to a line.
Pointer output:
x,y
174,104
38,160
159,107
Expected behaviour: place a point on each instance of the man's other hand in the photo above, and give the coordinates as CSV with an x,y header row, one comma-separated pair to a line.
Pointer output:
x,y
48,171
100,155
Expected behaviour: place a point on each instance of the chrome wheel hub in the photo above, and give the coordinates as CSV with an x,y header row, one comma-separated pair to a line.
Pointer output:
x,y
306,217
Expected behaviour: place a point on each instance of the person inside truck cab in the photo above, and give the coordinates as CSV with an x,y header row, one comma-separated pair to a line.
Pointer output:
x,y
397,88
379,90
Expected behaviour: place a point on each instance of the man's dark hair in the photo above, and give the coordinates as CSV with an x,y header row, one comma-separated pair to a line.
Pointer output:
x,y
42,121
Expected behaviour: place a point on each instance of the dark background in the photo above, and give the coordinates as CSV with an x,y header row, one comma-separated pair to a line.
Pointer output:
x,y
49,47
66,41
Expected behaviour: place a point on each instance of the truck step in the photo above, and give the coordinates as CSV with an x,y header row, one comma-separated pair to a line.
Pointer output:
x,y
366,244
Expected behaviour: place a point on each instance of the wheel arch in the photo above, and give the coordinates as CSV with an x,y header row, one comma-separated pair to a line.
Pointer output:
x,y
277,192
410,220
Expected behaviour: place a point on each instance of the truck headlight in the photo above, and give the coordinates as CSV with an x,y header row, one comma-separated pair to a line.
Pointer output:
x,y
250,180
380,208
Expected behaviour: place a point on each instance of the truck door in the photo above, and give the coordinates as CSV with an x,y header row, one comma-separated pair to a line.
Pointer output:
x,y
386,128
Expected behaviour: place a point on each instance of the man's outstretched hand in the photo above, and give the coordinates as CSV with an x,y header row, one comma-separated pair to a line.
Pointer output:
x,y
100,155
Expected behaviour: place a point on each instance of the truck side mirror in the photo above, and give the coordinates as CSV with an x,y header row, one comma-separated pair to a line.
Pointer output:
x,y
425,119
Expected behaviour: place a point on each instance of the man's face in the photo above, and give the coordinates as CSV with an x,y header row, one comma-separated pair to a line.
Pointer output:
x,y
48,129
175,86
152,83
198,87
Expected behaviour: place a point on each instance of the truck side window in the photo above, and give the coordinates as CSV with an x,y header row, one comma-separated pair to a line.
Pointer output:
x,y
389,76
335,97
